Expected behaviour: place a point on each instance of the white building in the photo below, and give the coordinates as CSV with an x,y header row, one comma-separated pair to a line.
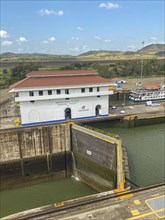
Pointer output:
x,y
57,96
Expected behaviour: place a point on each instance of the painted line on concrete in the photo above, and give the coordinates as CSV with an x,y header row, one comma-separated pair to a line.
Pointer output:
x,y
147,214
151,206
135,212
137,202
141,216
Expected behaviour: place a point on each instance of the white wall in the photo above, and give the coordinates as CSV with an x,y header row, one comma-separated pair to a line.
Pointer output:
x,y
73,92
54,110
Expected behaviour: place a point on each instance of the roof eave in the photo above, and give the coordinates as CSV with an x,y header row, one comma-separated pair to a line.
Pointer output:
x,y
60,87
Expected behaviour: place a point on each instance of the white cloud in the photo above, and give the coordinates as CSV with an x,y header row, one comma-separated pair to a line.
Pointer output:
x,y
153,38
85,48
45,42
52,39
43,51
4,34
109,5
20,50
7,43
80,29
50,12
131,47
76,49
60,13
22,40
75,38
97,37
107,41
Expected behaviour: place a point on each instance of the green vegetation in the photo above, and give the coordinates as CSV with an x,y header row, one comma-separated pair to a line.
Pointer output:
x,y
9,76
153,48
131,68
149,52
116,63
124,68
34,57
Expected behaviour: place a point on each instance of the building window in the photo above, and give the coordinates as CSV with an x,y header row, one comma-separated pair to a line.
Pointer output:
x,y
98,89
31,93
32,101
98,96
90,89
83,90
67,99
49,92
40,93
66,91
58,91
16,94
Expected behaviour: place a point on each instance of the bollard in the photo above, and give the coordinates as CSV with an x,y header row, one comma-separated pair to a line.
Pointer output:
x,y
17,122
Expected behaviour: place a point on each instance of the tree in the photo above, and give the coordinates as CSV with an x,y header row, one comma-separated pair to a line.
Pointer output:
x,y
19,71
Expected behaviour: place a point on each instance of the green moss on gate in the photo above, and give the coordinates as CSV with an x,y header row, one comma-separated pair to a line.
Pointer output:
x,y
84,163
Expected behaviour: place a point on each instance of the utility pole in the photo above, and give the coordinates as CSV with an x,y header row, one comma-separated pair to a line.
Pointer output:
x,y
141,71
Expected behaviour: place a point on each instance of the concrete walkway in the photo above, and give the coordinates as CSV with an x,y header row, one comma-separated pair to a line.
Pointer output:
x,y
141,109
146,205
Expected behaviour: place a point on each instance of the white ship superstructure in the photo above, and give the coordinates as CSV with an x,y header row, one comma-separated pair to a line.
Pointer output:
x,y
149,93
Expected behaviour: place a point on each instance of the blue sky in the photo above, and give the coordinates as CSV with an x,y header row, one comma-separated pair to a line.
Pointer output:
x,y
75,27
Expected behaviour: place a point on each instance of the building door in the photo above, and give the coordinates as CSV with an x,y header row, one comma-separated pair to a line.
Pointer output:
x,y
67,114
98,110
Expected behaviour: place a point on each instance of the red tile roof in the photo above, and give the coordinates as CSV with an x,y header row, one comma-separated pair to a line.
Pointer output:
x,y
61,73
153,87
60,81
16,84
116,79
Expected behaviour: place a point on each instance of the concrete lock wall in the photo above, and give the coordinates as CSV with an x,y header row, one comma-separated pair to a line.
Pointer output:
x,y
9,108
119,96
96,157
137,120
28,153
33,154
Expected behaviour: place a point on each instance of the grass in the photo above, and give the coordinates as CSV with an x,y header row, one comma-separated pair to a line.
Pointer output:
x,y
49,68
131,83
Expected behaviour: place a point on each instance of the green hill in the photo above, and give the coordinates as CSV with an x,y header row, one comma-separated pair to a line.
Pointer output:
x,y
31,57
95,52
149,52
153,48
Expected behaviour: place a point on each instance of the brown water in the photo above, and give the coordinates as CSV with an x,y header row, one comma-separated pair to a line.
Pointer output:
x,y
146,152
16,200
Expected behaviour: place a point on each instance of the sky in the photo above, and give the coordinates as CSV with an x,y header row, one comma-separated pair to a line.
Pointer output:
x,y
75,27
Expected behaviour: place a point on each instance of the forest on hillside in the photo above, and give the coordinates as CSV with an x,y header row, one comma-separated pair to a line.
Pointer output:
x,y
154,67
